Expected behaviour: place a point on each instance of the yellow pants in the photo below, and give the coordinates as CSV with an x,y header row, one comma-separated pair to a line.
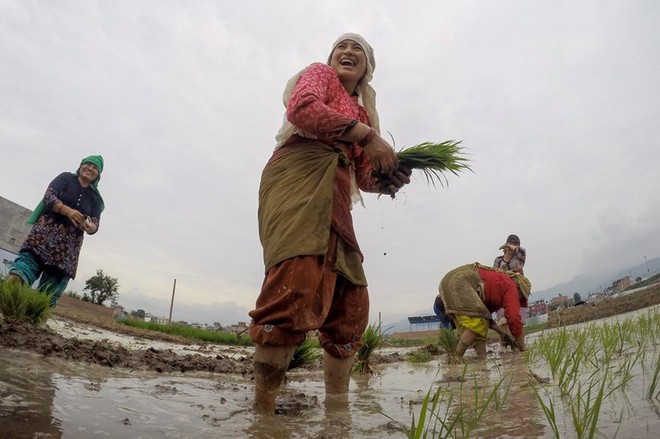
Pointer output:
x,y
475,324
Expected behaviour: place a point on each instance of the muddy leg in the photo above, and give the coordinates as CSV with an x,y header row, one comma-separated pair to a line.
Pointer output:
x,y
480,348
337,376
467,338
270,366
337,373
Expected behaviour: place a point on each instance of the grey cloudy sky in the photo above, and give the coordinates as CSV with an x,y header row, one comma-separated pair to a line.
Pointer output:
x,y
556,103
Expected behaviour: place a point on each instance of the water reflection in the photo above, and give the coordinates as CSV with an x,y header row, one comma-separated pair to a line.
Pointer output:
x,y
26,399
52,399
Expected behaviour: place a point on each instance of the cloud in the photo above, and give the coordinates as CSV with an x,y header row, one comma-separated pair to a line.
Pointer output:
x,y
552,101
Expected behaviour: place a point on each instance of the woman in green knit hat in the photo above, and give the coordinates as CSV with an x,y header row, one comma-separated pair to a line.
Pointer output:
x,y
71,207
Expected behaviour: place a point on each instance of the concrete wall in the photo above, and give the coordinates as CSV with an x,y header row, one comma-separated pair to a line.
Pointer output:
x,y
13,225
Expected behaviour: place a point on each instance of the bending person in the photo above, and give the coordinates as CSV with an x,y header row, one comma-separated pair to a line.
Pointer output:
x,y
471,293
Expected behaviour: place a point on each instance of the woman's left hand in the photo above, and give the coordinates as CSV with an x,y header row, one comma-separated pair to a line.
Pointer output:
x,y
400,177
88,226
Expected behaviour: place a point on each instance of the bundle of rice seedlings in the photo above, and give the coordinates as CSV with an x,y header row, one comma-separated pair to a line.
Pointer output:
x,y
13,302
447,340
37,308
373,339
20,303
307,353
434,160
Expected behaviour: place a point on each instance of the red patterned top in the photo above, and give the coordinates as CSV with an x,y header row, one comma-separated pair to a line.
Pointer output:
x,y
500,291
321,106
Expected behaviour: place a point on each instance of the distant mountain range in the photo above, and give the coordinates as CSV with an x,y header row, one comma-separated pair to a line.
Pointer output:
x,y
582,284
585,283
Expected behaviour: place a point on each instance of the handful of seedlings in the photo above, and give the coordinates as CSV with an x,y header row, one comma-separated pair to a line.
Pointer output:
x,y
433,159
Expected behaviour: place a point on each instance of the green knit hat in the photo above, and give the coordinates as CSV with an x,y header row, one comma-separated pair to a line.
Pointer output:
x,y
95,160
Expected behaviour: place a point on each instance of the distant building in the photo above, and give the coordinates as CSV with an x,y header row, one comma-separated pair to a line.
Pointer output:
x,y
13,231
156,319
537,308
238,328
424,323
620,284
561,301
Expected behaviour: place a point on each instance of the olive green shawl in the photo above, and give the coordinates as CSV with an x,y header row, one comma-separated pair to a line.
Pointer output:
x,y
295,207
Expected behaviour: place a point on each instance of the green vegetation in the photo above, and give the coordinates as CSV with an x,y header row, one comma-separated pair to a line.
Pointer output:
x,y
101,288
590,364
447,340
451,413
435,159
596,371
421,355
20,303
650,281
190,332
406,342
308,352
373,339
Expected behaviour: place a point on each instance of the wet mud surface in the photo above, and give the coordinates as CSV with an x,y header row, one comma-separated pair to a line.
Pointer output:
x,y
86,385
49,343
48,398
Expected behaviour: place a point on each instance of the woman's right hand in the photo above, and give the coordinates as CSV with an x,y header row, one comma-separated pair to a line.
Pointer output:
x,y
77,218
382,156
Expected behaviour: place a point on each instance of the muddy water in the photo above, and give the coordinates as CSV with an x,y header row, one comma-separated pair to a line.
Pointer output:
x,y
56,399
45,398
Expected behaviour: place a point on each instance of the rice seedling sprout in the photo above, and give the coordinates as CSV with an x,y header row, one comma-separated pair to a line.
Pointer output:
x,y
373,339
306,353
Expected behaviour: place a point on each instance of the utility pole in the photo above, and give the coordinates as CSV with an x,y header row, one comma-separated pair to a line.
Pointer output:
x,y
169,321
647,265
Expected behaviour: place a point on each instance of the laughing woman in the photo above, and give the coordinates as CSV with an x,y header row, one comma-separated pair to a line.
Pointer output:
x,y
70,208
329,148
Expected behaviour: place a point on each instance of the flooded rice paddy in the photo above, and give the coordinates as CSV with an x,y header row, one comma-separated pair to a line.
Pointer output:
x,y
49,398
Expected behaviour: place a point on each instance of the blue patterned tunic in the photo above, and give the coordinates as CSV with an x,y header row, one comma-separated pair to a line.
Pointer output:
x,y
54,239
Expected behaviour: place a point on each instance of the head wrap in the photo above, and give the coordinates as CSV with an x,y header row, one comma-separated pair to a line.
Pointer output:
x,y
98,161
366,93
523,284
93,159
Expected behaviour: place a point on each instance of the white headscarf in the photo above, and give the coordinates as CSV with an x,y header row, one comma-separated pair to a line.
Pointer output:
x,y
366,93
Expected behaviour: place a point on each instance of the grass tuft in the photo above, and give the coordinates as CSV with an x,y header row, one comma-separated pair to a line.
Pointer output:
x,y
20,303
